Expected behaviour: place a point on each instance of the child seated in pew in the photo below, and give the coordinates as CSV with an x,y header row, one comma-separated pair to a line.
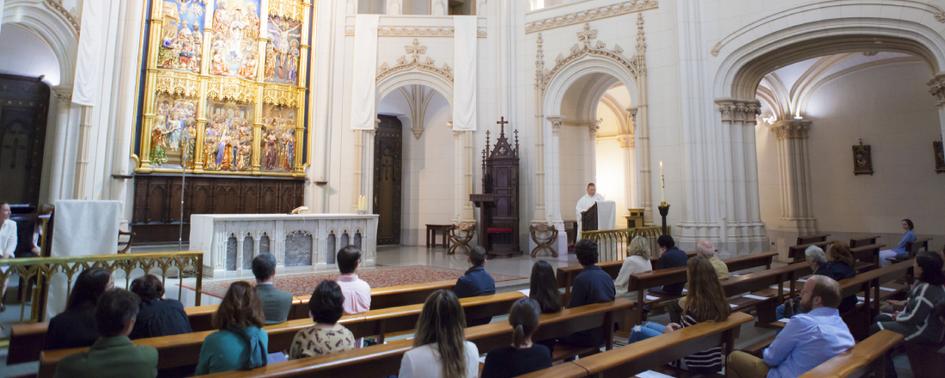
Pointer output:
x,y
327,336
356,292
113,354
157,316
439,346
523,356
707,302
240,342
543,289
75,327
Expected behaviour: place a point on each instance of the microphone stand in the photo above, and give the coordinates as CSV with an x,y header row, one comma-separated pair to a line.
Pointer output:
x,y
180,228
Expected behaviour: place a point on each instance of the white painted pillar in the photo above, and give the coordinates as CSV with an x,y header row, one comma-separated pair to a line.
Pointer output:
x,y
394,7
590,170
797,210
367,169
439,8
552,183
79,190
630,185
59,153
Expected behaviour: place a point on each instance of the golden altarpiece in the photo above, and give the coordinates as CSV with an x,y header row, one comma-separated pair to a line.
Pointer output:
x,y
223,114
225,87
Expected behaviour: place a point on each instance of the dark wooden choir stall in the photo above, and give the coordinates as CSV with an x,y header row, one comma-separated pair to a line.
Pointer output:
x,y
498,204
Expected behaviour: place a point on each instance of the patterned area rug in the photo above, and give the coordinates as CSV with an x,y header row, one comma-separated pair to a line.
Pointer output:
x,y
300,284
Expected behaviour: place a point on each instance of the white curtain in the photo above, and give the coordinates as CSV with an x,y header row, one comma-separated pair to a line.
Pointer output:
x,y
465,56
363,86
90,56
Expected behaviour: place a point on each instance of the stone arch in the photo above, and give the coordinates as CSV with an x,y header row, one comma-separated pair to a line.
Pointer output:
x,y
603,71
51,26
439,83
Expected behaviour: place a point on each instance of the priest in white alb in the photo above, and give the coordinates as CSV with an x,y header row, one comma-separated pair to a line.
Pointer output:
x,y
586,202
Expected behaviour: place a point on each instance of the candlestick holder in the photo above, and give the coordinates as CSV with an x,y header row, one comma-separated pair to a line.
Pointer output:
x,y
664,210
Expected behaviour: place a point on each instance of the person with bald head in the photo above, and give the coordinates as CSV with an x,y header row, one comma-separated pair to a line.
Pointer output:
x,y
807,340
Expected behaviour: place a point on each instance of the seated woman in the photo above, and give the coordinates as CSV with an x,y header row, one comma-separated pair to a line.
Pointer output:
x,y
915,320
522,356
439,346
543,288
840,267
706,302
707,249
637,262
157,316
326,336
75,327
240,342
887,255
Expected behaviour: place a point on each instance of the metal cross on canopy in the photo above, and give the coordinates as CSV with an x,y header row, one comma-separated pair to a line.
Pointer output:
x,y
502,122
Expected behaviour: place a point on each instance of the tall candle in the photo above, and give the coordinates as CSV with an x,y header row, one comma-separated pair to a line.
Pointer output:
x,y
662,184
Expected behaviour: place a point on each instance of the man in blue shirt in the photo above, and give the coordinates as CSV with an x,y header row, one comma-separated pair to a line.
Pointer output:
x,y
671,257
808,340
475,282
592,285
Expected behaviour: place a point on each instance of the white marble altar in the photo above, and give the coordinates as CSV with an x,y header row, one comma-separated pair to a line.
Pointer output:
x,y
230,241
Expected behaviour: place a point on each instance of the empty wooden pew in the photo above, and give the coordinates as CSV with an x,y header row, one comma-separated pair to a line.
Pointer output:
x,y
865,357
651,353
384,360
867,254
27,340
184,349
863,241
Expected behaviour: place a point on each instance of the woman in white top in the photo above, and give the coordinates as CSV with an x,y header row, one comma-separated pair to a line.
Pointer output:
x,y
7,244
439,346
637,262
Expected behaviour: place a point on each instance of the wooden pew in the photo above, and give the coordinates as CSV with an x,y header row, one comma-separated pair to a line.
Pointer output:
x,y
565,275
651,353
868,254
733,286
27,340
384,360
920,244
184,349
796,252
811,239
863,241
865,357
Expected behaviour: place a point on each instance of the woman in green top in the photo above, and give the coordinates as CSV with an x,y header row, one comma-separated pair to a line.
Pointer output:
x,y
240,343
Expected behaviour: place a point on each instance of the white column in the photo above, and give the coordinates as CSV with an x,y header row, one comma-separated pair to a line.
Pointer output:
x,y
395,7
590,172
552,183
630,193
439,8
82,154
367,168
937,89
59,153
797,210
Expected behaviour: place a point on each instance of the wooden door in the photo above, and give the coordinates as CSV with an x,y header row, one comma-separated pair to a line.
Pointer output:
x,y
388,162
24,103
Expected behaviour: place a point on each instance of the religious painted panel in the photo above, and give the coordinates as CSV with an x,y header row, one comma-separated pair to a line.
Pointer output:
x,y
234,32
181,35
278,138
939,157
229,137
862,159
283,50
174,133
214,100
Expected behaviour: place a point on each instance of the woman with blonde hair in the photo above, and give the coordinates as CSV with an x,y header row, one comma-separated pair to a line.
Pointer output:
x,y
637,262
706,302
439,346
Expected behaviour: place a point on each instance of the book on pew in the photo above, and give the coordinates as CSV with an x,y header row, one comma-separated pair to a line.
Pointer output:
x,y
756,297
652,374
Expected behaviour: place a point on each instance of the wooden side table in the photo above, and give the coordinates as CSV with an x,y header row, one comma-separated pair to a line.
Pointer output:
x,y
433,229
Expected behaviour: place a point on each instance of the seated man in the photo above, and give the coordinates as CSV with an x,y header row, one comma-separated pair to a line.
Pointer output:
x,y
356,292
475,282
592,285
670,257
707,249
113,354
808,340
275,303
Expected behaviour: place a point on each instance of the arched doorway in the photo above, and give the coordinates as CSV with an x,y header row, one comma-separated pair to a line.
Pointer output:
x,y
412,182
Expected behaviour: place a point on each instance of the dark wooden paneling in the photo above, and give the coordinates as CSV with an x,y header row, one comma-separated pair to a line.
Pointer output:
x,y
388,163
24,102
156,215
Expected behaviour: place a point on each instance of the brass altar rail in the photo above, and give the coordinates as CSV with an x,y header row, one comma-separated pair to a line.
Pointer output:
x,y
40,270
613,245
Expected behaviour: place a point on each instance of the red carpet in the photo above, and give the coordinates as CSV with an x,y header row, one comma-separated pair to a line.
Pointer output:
x,y
303,283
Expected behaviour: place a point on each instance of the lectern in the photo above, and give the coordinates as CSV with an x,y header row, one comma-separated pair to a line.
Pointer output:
x,y
498,204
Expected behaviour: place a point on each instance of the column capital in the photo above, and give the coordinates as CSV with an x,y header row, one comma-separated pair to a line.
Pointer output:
x,y
63,93
738,111
626,141
791,129
592,127
937,89
556,122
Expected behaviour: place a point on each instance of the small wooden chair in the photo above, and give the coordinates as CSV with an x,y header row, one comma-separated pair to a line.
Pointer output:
x,y
544,235
460,236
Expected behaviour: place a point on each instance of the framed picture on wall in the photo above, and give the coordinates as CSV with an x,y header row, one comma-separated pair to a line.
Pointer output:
x,y
939,157
862,159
